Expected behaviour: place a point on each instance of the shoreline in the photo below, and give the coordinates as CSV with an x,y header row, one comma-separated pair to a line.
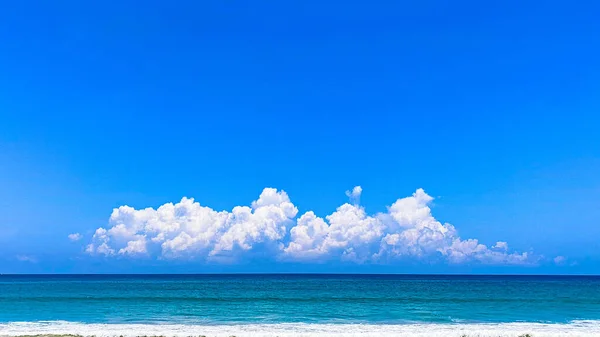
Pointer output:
x,y
72,329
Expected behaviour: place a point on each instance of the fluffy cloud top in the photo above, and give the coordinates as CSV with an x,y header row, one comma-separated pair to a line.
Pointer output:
x,y
501,245
354,195
269,228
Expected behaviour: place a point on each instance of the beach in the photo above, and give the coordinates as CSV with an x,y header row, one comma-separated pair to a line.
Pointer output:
x,y
582,329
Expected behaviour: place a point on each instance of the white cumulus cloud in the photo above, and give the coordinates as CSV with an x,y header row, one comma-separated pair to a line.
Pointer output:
x,y
27,258
270,229
559,260
187,229
75,237
354,194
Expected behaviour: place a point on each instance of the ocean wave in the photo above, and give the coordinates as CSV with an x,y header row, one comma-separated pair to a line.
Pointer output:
x,y
574,328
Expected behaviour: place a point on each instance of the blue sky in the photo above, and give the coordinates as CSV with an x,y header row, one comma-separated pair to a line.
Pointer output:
x,y
491,108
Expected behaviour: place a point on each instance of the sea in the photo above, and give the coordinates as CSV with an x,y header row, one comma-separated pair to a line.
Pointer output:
x,y
299,305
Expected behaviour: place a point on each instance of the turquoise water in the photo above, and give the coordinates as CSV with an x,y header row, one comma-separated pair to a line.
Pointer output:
x,y
215,300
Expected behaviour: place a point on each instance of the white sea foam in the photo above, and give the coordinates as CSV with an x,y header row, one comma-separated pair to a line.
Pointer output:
x,y
575,328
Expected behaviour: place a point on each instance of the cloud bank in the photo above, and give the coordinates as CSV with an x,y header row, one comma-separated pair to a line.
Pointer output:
x,y
270,228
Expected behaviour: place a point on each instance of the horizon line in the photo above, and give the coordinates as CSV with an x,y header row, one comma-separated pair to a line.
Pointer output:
x,y
287,273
